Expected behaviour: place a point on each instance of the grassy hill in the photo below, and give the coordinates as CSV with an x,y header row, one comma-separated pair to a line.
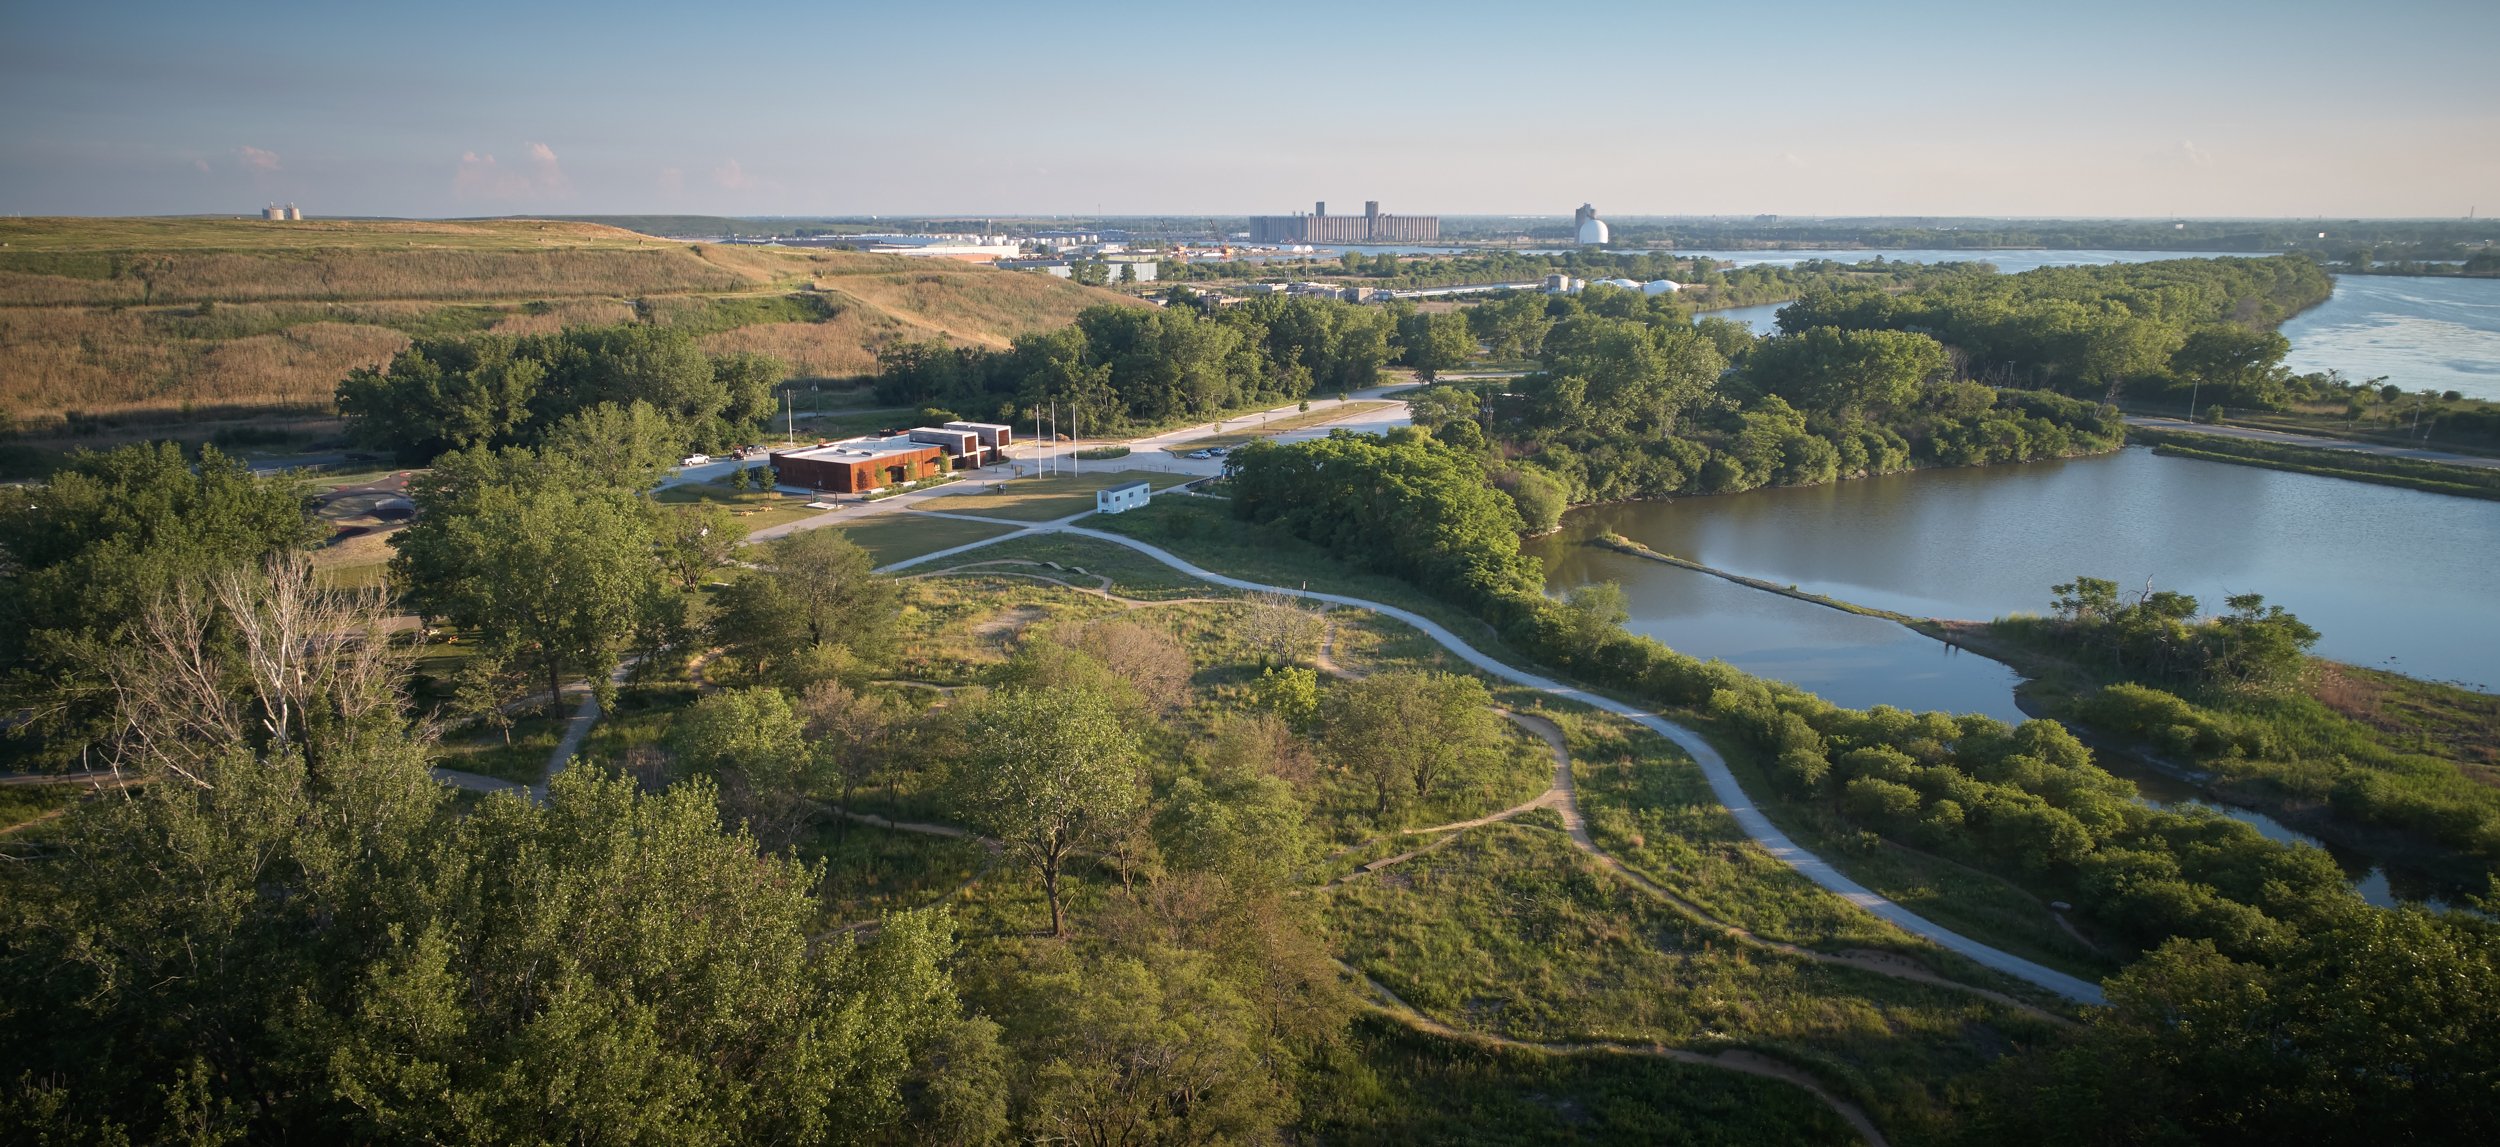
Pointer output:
x,y
116,316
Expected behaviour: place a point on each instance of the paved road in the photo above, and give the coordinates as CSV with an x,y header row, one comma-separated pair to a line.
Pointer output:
x,y
2315,442
1722,781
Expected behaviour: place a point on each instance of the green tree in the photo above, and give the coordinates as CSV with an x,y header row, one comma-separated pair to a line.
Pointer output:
x,y
695,540
89,550
530,552
2375,1029
1045,773
756,745
1435,343
1437,406
1406,732
1846,372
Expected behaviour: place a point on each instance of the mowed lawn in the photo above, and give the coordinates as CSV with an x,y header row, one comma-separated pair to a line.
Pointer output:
x,y
893,537
754,510
1042,499
1295,421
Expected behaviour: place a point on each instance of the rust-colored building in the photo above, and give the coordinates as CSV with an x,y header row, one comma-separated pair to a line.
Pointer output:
x,y
858,465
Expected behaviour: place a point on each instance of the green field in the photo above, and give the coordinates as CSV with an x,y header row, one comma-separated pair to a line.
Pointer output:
x,y
1279,425
1043,499
755,510
893,537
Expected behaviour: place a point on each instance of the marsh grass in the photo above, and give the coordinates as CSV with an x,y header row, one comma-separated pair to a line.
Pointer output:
x,y
1513,931
1394,1086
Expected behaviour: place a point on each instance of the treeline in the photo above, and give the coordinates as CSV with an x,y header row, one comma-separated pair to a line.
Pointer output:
x,y
1718,282
2096,331
446,394
2213,900
1118,367
1634,401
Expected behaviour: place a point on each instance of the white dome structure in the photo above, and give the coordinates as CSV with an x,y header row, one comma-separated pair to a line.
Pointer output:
x,y
1591,229
1625,284
1661,287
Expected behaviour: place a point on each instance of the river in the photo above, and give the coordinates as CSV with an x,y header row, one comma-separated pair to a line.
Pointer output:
x,y
2419,332
2394,578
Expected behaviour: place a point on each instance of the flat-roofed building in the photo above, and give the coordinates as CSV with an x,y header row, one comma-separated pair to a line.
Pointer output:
x,y
859,465
995,435
1123,497
1321,227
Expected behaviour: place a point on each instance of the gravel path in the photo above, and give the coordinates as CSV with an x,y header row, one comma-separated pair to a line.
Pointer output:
x,y
1722,781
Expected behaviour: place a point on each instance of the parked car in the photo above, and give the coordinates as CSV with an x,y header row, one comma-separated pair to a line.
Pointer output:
x,y
695,460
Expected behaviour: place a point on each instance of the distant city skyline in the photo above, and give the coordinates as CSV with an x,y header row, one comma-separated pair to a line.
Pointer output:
x,y
957,108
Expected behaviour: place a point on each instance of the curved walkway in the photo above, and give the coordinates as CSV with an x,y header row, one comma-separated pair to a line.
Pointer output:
x,y
1722,781
1564,799
1733,1059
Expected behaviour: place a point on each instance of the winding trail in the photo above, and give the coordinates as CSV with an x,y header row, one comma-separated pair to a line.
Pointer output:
x,y
1733,1059
1714,767
1564,799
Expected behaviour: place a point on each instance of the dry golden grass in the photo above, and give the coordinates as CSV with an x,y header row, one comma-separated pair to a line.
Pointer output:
x,y
571,313
112,315
843,346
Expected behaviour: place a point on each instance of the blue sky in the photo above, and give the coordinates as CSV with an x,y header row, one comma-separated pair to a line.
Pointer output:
x,y
457,108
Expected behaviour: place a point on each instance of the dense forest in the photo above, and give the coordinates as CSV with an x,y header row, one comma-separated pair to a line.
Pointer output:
x,y
451,393
1118,367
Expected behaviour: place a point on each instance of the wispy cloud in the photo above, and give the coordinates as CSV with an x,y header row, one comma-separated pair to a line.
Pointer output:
x,y
732,176
257,159
537,175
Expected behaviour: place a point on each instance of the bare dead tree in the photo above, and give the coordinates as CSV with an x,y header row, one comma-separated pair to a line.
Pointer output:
x,y
1280,628
252,661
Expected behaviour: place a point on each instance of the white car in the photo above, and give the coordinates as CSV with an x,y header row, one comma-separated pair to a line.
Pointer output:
x,y
696,460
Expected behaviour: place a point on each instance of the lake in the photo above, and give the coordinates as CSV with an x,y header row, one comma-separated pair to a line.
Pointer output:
x,y
2419,332
2394,578
2422,333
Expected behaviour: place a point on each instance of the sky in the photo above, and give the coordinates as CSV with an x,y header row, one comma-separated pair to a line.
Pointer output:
x,y
2210,108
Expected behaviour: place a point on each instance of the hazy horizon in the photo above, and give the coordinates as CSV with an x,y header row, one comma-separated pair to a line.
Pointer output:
x,y
1817,110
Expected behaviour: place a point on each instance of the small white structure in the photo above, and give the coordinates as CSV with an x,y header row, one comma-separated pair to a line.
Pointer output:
x,y
1559,284
1661,287
1590,229
1623,284
1123,497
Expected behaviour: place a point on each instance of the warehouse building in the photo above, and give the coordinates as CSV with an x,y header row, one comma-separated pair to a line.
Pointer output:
x,y
1321,227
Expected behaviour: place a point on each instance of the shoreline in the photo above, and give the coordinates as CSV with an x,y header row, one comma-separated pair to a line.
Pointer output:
x,y
2036,696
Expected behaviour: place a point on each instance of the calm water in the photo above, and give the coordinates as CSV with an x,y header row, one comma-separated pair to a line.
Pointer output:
x,y
2421,333
2393,577
2009,262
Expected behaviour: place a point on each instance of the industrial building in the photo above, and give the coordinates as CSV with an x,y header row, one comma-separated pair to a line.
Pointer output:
x,y
1321,227
275,213
1116,268
859,465
1590,230
967,248
1123,497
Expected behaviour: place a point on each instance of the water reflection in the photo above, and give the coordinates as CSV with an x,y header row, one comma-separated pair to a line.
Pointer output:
x,y
1980,543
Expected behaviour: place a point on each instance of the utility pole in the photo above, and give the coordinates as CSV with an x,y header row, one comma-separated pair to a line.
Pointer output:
x,y
2192,385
